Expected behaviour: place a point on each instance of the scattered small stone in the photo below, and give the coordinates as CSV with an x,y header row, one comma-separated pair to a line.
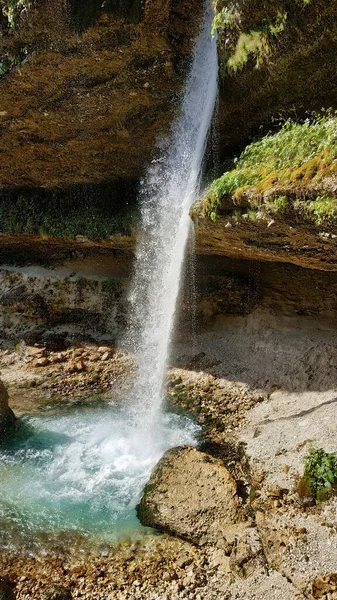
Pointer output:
x,y
76,366
274,492
103,349
42,362
33,351
78,352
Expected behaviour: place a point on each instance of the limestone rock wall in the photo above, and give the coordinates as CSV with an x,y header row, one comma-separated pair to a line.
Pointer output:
x,y
80,288
41,304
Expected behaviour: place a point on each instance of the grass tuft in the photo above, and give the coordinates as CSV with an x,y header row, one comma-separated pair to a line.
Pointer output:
x,y
299,154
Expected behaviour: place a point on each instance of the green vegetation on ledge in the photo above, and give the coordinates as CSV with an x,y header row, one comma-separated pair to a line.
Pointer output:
x,y
66,216
270,171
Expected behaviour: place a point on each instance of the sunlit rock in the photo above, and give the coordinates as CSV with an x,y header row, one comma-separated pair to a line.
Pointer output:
x,y
192,495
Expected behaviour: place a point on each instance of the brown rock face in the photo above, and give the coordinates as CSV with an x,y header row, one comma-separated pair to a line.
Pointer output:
x,y
325,586
270,238
6,414
192,495
88,108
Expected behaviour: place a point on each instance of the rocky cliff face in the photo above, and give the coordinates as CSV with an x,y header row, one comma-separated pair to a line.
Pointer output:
x,y
278,60
266,238
88,106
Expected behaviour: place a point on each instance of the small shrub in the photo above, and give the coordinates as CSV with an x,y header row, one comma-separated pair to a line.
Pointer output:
x,y
252,214
320,474
249,44
222,20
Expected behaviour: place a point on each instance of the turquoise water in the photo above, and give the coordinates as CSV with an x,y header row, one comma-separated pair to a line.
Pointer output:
x,y
80,470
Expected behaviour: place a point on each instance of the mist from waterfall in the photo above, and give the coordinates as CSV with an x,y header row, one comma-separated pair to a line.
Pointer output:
x,y
170,186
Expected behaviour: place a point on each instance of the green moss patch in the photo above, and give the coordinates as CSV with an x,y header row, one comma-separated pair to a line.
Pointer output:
x,y
297,155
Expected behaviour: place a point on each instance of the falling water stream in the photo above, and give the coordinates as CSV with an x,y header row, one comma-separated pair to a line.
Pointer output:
x,y
84,469
171,185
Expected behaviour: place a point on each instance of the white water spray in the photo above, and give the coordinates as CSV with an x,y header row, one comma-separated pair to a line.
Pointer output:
x,y
171,185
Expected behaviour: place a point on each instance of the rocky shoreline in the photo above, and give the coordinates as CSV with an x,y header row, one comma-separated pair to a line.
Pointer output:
x,y
274,541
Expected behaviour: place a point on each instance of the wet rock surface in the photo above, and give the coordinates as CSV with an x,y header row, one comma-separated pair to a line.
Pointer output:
x,y
88,107
7,417
143,570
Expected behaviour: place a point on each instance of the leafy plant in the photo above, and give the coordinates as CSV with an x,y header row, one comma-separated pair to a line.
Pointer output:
x,y
279,204
249,44
320,474
3,68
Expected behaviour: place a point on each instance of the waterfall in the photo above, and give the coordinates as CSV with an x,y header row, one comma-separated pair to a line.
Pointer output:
x,y
84,469
170,187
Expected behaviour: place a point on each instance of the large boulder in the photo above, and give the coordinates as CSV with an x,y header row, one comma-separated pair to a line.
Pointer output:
x,y
192,495
7,417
